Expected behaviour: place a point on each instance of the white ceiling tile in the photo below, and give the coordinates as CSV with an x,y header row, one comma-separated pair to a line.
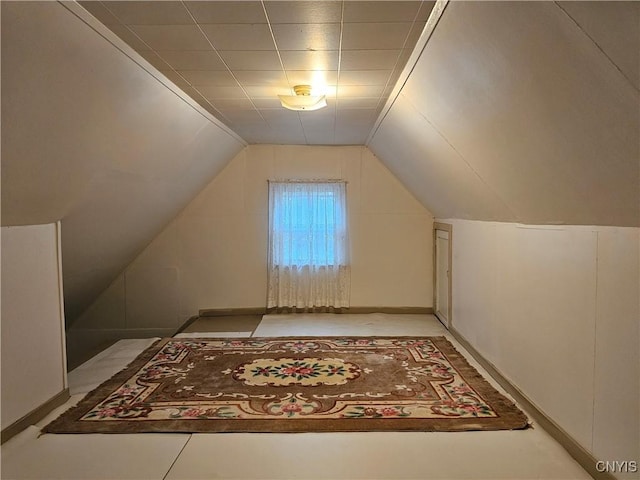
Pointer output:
x,y
319,137
251,60
358,116
364,77
262,77
266,103
329,91
100,12
218,78
308,36
227,12
213,111
309,60
193,59
304,12
172,37
311,123
367,11
360,90
153,58
212,92
239,36
292,125
324,115
284,137
287,132
195,94
235,108
328,112
318,79
266,91
150,13
369,59
315,36
129,38
352,131
247,116
359,102
254,134
252,122
176,78
280,116
355,129
374,36
351,137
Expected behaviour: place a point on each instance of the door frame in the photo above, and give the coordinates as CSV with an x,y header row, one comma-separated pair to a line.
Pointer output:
x,y
446,227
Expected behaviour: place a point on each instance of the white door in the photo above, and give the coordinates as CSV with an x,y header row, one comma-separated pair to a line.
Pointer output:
x,y
442,277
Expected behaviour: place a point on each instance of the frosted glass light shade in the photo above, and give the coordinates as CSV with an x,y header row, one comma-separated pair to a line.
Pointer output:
x,y
303,100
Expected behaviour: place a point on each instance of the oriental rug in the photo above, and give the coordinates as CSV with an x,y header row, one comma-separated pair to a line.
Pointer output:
x,y
294,385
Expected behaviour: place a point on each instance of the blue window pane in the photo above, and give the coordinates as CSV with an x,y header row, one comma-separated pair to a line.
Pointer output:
x,y
307,225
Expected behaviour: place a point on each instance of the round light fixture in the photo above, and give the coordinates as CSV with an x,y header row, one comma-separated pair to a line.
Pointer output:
x,y
303,101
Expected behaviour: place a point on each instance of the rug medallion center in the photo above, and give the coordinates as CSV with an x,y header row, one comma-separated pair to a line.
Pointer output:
x,y
296,371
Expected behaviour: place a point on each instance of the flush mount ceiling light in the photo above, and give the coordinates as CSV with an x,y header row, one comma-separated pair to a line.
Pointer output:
x,y
303,101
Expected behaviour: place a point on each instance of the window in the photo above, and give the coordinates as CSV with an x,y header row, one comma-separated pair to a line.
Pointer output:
x,y
308,241
308,224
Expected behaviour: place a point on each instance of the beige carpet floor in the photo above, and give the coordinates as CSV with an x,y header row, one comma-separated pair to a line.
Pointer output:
x,y
230,323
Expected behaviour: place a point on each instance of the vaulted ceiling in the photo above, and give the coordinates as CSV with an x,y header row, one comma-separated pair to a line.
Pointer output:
x,y
235,57
523,112
508,111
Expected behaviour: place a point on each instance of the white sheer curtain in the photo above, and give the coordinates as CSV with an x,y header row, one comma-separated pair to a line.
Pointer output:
x,y
308,245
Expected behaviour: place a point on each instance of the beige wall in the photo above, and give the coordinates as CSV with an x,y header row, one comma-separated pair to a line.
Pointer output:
x,y
523,112
555,309
33,362
214,254
98,139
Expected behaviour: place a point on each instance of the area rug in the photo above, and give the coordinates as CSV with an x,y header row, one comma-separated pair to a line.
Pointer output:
x,y
294,385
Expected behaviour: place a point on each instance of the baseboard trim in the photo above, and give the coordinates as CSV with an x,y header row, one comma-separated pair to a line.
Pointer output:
x,y
186,324
577,451
227,312
35,415
220,312
83,344
75,362
392,310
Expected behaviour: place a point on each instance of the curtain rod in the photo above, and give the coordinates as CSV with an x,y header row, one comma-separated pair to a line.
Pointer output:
x,y
320,180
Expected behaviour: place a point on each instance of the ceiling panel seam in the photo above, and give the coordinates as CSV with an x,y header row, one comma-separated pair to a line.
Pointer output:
x,y
132,32
88,19
421,44
573,20
437,130
225,63
404,44
286,76
335,115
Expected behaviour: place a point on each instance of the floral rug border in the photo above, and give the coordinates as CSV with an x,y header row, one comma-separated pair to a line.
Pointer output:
x,y
509,417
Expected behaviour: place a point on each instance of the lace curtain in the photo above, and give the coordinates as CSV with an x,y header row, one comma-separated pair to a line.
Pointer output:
x,y
308,245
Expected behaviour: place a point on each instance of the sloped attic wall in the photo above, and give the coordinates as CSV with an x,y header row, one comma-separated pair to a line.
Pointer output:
x,y
89,136
214,254
523,112
529,112
555,308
